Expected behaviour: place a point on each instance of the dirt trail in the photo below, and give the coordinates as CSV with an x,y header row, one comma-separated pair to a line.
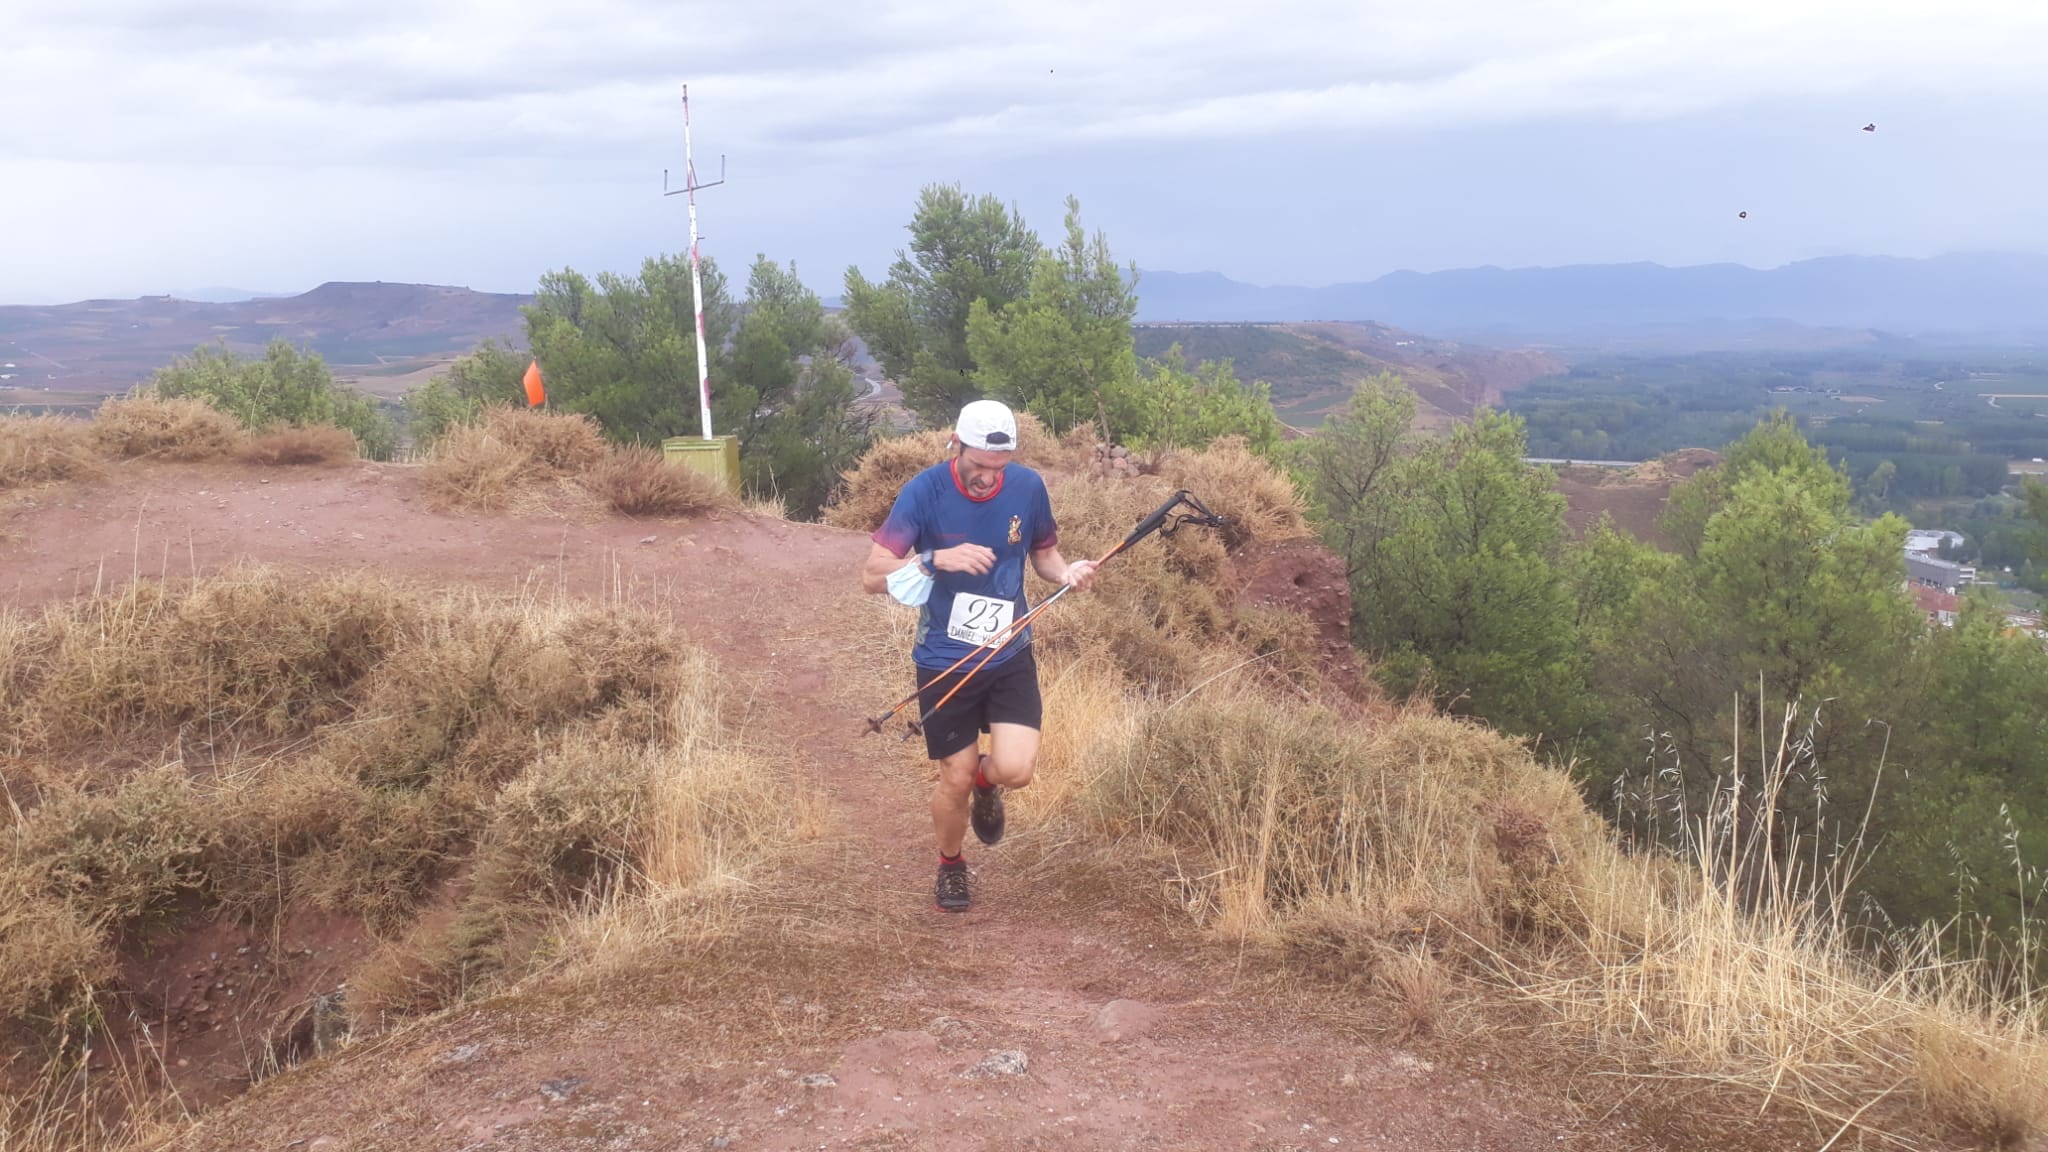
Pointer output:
x,y
852,1015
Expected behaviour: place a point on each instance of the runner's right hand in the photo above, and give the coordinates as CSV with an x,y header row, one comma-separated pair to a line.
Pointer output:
x,y
970,558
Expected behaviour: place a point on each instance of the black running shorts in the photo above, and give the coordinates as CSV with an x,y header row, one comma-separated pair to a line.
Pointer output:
x,y
999,694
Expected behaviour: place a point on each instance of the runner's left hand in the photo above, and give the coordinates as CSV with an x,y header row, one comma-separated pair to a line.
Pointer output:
x,y
1080,574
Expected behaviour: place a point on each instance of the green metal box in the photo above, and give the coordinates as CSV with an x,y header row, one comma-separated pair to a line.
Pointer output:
x,y
718,457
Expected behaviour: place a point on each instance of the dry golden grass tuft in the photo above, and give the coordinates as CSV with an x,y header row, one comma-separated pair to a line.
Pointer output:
x,y
288,444
1346,845
770,507
44,449
1290,811
557,443
554,464
472,469
863,502
347,745
148,426
482,466
1231,480
638,482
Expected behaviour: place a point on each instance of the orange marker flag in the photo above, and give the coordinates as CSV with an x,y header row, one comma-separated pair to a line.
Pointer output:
x,y
536,391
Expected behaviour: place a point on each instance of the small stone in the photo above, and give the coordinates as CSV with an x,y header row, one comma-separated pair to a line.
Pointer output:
x,y
817,1080
949,1028
462,1054
721,1141
560,1090
1000,1062
649,539
1123,1019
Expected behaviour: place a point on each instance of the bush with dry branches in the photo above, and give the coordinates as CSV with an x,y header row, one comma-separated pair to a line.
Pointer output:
x,y
149,426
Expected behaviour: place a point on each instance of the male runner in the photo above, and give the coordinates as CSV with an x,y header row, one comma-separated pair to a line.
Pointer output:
x,y
967,524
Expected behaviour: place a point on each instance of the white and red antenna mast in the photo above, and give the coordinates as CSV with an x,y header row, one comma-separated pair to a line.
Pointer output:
x,y
689,188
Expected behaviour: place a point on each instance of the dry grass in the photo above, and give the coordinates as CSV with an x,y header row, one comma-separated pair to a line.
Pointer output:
x,y
299,445
869,491
1231,480
638,482
346,745
764,507
473,470
482,466
42,450
1347,846
1285,813
548,463
1163,612
148,426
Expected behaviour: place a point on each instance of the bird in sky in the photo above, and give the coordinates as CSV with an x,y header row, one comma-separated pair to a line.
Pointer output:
x,y
1870,127
1742,215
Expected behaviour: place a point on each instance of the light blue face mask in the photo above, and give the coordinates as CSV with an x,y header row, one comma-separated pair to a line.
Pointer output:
x,y
911,584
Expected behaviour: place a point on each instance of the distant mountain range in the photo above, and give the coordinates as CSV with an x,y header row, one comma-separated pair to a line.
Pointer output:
x,y
378,335
2001,297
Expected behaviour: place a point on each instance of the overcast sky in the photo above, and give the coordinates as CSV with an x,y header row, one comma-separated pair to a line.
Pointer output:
x,y
159,145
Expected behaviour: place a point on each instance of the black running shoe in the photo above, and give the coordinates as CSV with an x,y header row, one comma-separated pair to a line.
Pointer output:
x,y
987,813
951,892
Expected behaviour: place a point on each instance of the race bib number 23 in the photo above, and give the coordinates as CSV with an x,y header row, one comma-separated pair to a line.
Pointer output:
x,y
979,620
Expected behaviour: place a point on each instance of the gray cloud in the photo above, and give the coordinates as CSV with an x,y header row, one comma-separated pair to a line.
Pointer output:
x,y
834,113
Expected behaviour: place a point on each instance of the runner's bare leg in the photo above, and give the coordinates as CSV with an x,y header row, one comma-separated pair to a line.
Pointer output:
x,y
950,798
1013,758
1013,755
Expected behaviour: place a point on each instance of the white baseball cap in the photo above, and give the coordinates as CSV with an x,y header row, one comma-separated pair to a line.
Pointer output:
x,y
988,425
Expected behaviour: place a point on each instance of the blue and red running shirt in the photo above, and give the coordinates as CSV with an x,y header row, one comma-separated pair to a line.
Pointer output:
x,y
934,512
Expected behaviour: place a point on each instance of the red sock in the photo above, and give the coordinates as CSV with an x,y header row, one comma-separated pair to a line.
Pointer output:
x,y
956,858
980,778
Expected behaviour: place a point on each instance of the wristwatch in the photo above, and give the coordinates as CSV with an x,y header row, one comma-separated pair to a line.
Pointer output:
x,y
925,558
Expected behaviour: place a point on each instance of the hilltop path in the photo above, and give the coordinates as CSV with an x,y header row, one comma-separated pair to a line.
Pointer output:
x,y
852,1017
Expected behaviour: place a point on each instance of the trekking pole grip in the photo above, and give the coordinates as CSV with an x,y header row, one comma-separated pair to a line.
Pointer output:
x,y
1151,523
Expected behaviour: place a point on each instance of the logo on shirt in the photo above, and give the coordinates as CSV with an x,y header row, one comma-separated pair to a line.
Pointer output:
x,y
1016,529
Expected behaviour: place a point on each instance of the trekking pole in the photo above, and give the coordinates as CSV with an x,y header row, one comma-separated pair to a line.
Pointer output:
x,y
1155,521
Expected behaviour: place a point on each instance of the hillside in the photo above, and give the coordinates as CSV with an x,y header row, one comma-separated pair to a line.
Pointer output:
x,y
867,1027
1314,367
346,818
373,334
1990,297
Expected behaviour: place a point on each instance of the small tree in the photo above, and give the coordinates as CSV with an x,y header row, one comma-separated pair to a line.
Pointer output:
x,y
624,350
962,249
491,374
788,393
1189,408
284,386
1456,551
1064,350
